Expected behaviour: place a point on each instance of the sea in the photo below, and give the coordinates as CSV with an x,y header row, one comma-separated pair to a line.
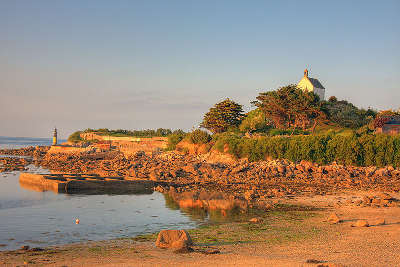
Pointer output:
x,y
40,219
19,142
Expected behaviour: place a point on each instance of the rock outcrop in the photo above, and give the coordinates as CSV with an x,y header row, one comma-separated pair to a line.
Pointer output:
x,y
174,239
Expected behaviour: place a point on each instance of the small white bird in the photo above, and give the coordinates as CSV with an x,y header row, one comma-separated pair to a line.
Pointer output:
x,y
77,221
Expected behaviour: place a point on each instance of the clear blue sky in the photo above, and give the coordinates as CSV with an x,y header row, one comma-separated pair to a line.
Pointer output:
x,y
149,64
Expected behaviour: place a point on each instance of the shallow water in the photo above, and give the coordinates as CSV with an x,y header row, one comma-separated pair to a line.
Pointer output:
x,y
38,219
7,142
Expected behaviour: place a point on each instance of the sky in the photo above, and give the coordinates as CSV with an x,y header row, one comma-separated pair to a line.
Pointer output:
x,y
162,64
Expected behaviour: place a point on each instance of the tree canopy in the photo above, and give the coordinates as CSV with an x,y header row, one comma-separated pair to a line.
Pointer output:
x,y
223,115
291,107
255,121
345,114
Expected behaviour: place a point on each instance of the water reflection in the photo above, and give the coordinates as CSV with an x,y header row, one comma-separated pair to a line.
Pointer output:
x,y
30,215
203,205
36,187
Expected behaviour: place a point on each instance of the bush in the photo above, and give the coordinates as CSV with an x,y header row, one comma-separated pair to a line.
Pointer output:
x,y
229,138
347,115
75,137
174,138
199,137
350,149
274,132
255,121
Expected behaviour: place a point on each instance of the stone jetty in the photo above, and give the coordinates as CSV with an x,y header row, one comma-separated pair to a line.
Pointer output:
x,y
85,183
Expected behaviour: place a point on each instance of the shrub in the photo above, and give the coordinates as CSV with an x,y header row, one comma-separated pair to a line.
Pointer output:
x,y
174,138
350,149
75,137
199,137
255,121
229,138
345,114
274,132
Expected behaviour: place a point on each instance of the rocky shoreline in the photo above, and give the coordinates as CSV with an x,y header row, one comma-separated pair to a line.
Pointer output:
x,y
242,179
8,164
31,151
294,191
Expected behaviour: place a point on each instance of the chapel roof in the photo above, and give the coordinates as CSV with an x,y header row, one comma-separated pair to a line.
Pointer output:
x,y
316,83
313,81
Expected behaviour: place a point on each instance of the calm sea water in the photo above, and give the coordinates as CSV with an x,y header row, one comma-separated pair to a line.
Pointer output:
x,y
19,142
39,219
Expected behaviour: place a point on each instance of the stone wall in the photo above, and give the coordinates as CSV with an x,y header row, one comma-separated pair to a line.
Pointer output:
x,y
130,145
68,149
95,136
148,145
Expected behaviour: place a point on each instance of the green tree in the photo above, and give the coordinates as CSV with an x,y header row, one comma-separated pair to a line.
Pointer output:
x,y
255,121
345,114
222,116
75,137
291,107
174,138
199,137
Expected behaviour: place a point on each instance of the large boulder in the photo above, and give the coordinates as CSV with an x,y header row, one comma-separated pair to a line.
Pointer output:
x,y
174,239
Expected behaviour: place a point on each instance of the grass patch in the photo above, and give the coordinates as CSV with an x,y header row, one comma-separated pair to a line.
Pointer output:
x,y
284,224
96,249
145,237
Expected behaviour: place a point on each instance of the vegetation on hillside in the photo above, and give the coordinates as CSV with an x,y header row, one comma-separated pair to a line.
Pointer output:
x,y
222,116
174,138
345,114
290,107
255,121
75,137
199,137
353,149
288,123
293,124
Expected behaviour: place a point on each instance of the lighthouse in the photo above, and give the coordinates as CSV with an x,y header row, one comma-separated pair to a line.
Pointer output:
x,y
55,137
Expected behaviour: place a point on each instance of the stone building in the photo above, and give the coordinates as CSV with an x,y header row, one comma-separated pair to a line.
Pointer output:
x,y
391,126
312,85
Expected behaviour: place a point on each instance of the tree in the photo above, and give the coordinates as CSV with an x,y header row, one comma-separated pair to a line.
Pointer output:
x,y
75,137
332,99
222,116
345,114
291,107
255,121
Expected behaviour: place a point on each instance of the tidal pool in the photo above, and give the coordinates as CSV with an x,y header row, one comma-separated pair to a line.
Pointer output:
x,y
39,219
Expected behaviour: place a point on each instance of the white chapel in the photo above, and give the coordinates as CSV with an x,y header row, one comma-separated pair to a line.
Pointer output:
x,y
312,85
